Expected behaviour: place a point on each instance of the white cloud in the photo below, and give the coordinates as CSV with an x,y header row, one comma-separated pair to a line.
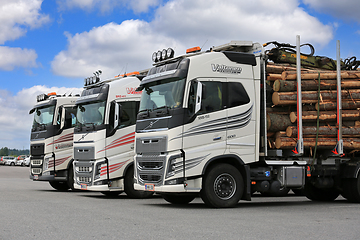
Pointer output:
x,y
105,6
223,20
345,9
113,48
182,24
16,16
15,121
17,57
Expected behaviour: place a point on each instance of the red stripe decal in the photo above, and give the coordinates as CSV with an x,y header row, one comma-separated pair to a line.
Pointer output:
x,y
120,141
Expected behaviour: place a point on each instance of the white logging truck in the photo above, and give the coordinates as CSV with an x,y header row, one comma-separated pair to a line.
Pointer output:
x,y
104,135
211,125
51,141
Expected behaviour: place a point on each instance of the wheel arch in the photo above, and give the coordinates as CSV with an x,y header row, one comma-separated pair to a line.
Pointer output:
x,y
70,164
239,164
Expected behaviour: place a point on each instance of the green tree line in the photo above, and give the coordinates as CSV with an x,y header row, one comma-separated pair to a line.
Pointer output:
x,y
13,152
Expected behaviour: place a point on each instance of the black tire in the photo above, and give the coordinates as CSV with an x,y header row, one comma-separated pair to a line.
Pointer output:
x,y
223,186
178,199
12,164
281,193
60,186
320,194
70,181
351,189
112,194
129,186
299,192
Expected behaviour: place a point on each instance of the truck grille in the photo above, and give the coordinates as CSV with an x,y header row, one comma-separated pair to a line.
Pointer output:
x,y
150,178
84,171
36,162
150,165
84,179
35,171
150,168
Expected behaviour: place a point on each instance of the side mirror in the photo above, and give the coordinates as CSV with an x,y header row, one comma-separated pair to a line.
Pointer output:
x,y
62,117
116,115
198,97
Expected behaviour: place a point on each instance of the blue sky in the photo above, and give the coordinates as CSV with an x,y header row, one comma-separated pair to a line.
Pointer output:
x,y
53,45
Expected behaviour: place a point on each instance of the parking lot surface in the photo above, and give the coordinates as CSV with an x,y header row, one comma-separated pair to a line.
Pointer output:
x,y
33,210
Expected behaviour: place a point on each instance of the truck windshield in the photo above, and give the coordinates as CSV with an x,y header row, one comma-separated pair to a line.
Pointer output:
x,y
91,113
43,117
164,94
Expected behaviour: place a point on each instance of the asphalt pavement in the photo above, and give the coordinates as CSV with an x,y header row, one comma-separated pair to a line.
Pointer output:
x,y
33,210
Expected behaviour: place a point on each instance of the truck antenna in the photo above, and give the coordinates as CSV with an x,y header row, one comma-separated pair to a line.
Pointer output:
x,y
204,44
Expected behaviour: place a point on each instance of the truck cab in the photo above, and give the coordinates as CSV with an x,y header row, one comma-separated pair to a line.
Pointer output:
x,y
104,136
51,146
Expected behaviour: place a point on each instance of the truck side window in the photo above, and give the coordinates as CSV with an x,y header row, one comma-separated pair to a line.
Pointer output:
x,y
192,93
214,97
70,117
58,120
128,113
237,95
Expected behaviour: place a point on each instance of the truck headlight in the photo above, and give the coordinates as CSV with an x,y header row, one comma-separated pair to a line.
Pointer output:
x,y
175,165
98,169
46,163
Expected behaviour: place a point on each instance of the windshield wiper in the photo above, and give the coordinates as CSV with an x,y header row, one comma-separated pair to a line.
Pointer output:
x,y
161,111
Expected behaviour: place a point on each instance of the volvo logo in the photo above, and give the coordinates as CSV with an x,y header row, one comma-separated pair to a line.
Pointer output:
x,y
151,124
82,137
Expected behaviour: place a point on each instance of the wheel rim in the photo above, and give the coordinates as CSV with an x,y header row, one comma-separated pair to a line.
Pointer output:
x,y
225,186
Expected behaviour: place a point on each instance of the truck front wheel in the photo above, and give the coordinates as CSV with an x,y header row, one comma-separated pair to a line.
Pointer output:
x,y
129,186
179,199
60,186
223,186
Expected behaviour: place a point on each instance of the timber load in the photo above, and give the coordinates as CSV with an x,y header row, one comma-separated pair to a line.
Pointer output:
x,y
318,105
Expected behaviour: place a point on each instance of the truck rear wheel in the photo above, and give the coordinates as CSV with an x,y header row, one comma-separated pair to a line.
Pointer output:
x,y
223,186
60,186
351,189
129,186
320,194
179,199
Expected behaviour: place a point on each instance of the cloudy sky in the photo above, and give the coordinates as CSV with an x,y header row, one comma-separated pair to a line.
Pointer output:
x,y
53,45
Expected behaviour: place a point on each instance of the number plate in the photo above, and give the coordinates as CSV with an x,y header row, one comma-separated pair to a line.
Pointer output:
x,y
83,186
149,187
36,177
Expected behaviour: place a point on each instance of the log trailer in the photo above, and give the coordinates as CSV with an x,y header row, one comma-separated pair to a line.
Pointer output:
x,y
104,135
51,141
211,124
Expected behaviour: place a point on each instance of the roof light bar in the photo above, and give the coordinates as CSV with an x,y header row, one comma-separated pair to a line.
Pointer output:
x,y
93,79
129,74
163,55
43,96
193,50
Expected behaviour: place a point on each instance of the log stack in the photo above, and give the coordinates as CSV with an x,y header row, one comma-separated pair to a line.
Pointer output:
x,y
282,114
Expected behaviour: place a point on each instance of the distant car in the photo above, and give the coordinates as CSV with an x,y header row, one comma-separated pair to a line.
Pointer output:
x,y
19,162
4,159
27,161
11,162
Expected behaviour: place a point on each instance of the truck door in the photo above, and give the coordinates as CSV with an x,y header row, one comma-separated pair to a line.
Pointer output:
x,y
206,134
63,143
120,145
241,118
